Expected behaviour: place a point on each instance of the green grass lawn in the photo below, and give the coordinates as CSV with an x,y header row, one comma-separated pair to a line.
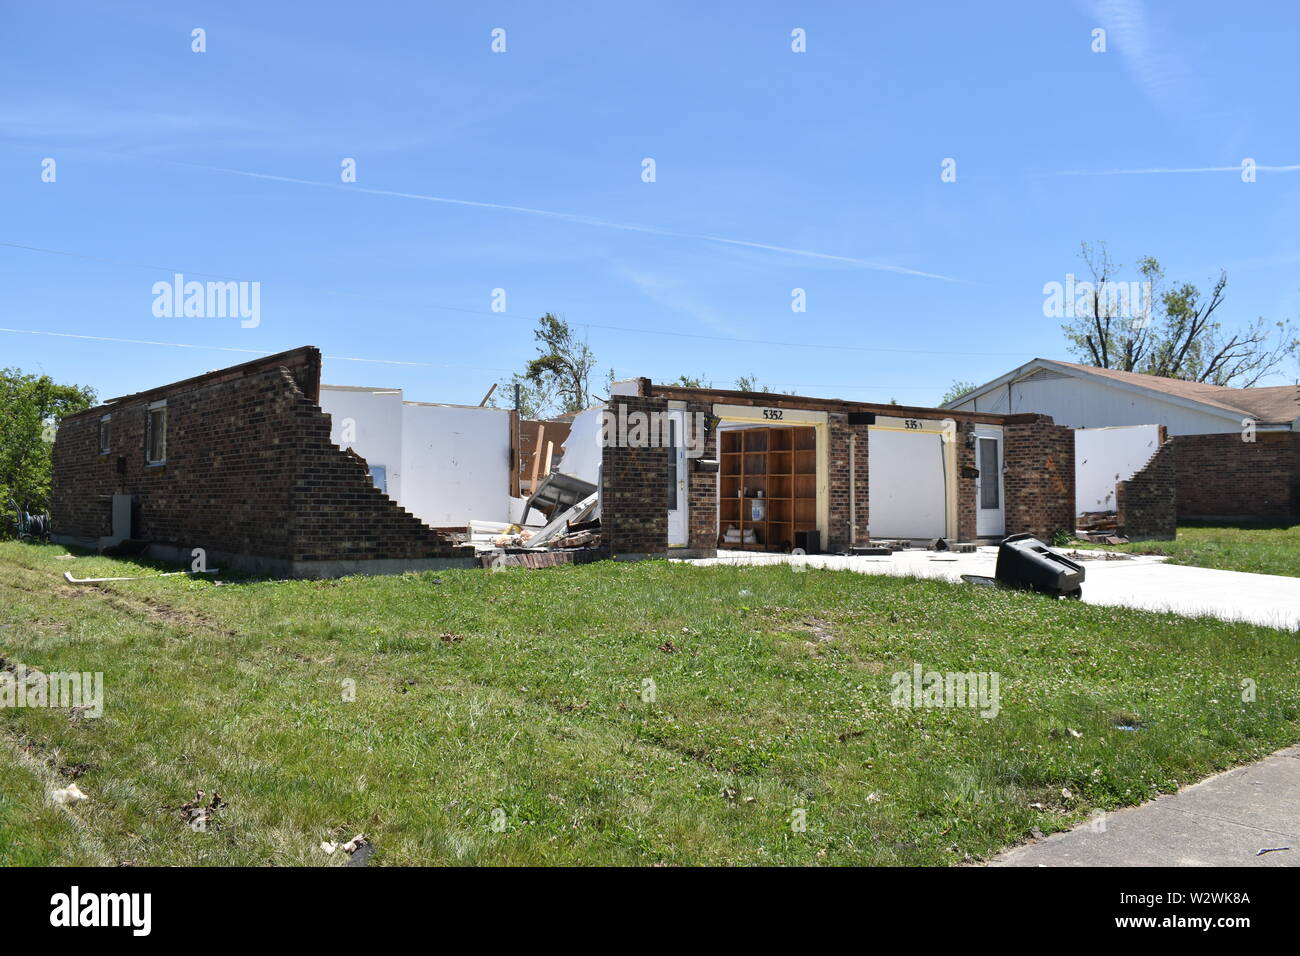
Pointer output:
x,y
519,695
1260,547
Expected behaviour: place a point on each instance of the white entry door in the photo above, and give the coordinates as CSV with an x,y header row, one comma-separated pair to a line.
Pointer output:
x,y
990,510
677,535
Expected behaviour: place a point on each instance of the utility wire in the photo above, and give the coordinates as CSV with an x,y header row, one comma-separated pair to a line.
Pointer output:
x,y
591,325
226,348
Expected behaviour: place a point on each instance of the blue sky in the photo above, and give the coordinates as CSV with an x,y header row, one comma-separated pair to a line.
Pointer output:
x,y
820,169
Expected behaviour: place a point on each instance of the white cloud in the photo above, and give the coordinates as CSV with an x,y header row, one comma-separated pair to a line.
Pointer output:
x,y
1170,170
670,294
1157,73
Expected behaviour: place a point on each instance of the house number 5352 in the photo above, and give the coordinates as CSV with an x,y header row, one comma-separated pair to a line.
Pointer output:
x,y
773,413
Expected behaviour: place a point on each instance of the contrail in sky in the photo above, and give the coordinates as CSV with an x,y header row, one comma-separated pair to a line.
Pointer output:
x,y
589,221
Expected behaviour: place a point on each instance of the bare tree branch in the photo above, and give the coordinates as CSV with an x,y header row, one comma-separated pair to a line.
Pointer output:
x,y
1177,332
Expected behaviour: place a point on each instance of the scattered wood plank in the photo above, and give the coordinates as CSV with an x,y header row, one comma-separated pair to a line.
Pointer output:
x,y
537,559
67,576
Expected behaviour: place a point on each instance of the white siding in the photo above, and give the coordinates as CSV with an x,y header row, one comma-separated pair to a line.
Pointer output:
x,y
1083,403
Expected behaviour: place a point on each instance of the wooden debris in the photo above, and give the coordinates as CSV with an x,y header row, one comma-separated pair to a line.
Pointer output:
x,y
581,539
67,576
537,559
1097,521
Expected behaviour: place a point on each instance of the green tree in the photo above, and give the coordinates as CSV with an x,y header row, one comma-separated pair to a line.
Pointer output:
x,y
1174,333
534,400
31,408
563,364
750,383
690,381
957,390
558,381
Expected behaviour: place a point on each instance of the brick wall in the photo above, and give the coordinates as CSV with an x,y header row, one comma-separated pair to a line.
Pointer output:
x,y
82,478
847,482
702,491
861,483
339,514
634,491
226,484
837,436
967,500
1223,475
1039,478
1146,503
250,471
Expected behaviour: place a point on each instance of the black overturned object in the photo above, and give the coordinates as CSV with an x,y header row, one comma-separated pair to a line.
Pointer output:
x,y
1025,562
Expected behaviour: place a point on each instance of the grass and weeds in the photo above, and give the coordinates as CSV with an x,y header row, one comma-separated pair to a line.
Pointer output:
x,y
526,697
1261,547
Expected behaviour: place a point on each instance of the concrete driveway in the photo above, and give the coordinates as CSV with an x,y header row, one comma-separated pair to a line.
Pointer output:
x,y
1143,582
1224,820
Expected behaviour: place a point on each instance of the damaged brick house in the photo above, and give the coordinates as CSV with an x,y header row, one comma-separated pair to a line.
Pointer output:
x,y
238,462
780,471
244,463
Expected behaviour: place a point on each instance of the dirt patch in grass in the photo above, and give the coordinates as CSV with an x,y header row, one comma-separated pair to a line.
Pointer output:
x,y
148,608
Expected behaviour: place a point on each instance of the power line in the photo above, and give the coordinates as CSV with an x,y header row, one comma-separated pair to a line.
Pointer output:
x,y
227,348
739,340
473,368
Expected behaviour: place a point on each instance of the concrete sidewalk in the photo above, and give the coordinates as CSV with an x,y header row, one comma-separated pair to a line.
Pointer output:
x,y
1143,582
1223,821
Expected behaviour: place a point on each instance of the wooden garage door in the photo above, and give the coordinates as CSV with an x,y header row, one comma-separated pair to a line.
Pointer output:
x,y
905,482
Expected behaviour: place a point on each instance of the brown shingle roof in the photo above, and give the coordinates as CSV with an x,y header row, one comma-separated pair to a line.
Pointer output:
x,y
1279,403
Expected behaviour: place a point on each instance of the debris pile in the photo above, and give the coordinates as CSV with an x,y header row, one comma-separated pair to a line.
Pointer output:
x,y
356,843
570,508
883,547
1099,526
197,813
956,547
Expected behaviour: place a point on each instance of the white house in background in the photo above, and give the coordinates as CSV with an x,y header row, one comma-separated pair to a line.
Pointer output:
x,y
1083,396
445,464
1237,449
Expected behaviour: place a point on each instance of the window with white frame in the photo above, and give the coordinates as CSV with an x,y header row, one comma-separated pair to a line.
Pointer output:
x,y
105,434
155,438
